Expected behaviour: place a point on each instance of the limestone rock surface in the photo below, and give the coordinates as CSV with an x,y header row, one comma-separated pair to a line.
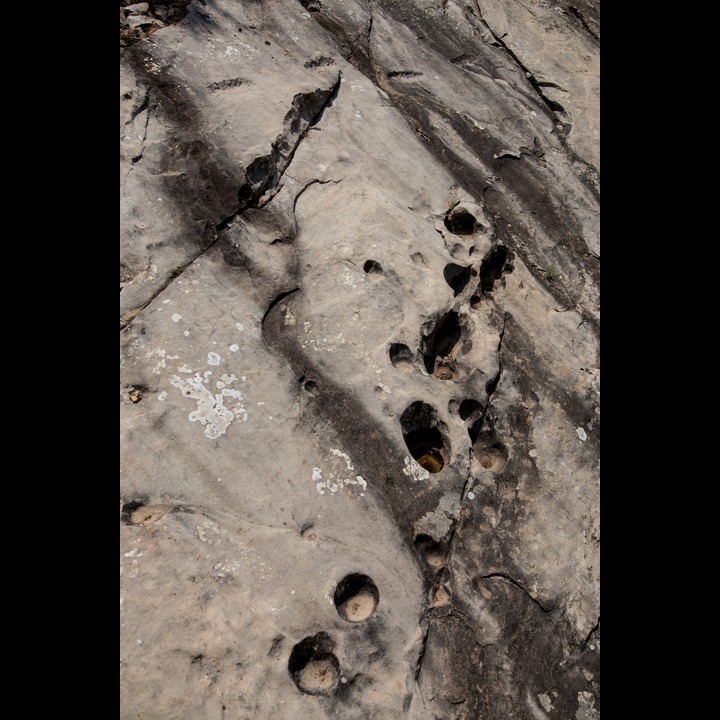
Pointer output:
x,y
359,360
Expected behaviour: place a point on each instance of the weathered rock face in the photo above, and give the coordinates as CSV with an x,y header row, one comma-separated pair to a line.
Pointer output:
x,y
359,359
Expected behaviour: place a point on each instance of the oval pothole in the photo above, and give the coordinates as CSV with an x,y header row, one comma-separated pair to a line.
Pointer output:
x,y
313,666
424,439
356,597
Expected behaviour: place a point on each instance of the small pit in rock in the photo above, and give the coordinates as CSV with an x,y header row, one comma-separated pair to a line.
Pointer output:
x,y
491,453
311,388
373,269
461,221
313,666
401,357
432,551
468,408
356,597
424,439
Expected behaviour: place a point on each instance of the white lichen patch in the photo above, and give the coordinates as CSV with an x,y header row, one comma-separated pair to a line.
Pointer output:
x,y
176,317
581,433
240,326
211,411
213,358
437,523
289,317
234,347
162,362
334,484
414,470
162,395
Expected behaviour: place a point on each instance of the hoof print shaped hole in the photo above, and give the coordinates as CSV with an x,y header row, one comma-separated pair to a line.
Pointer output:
x,y
457,276
401,357
424,439
373,269
491,454
356,597
313,667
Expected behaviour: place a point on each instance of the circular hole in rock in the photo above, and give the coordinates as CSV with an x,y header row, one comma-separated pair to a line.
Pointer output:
x,y
423,437
356,597
373,269
310,387
313,667
401,357
460,221
468,407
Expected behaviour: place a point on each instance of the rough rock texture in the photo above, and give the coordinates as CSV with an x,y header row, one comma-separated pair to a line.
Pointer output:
x,y
359,359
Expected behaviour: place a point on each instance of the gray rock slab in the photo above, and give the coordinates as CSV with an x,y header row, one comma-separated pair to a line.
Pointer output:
x,y
359,361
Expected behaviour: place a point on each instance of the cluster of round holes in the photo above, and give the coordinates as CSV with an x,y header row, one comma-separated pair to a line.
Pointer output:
x,y
356,597
313,666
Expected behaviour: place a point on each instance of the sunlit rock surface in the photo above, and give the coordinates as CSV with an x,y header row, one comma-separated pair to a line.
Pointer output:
x,y
360,374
